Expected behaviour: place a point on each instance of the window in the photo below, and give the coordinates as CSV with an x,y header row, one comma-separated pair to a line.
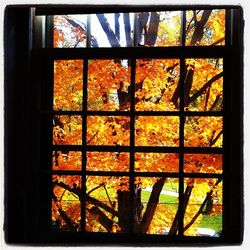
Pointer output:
x,y
134,136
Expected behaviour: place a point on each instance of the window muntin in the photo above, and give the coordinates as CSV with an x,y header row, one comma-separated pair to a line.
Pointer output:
x,y
140,128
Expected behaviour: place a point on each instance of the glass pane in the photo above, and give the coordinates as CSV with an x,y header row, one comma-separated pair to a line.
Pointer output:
x,y
108,85
203,163
205,27
156,204
67,160
68,78
67,130
70,31
107,207
159,28
156,83
203,84
108,130
203,131
107,161
156,162
66,206
157,131
203,214
112,30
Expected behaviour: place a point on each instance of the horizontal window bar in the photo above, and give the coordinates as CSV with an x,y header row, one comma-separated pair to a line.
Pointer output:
x,y
136,52
88,9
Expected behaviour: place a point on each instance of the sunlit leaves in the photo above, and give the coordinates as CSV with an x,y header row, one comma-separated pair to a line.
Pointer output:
x,y
156,81
108,130
108,83
67,130
68,90
203,131
107,161
203,163
156,162
209,96
157,131
67,160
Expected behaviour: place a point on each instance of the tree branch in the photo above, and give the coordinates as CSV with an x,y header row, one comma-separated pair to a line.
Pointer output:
x,y
102,218
204,87
151,207
215,139
108,31
101,205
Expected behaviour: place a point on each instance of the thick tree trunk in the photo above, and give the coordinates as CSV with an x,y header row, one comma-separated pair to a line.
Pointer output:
x,y
151,36
124,210
127,28
151,206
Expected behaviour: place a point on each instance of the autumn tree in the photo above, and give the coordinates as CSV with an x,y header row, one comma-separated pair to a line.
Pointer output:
x,y
109,199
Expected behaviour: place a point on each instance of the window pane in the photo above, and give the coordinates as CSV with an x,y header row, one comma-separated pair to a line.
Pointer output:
x,y
70,31
67,130
205,27
107,161
108,85
156,204
156,162
157,131
204,84
108,130
112,30
107,207
203,131
68,78
159,28
67,160
155,84
66,205
203,216
203,163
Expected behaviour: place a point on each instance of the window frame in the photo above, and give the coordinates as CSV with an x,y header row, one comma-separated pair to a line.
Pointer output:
x,y
44,58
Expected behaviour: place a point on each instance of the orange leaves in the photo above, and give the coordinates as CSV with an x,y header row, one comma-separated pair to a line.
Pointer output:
x,y
68,91
107,161
150,132
67,160
156,81
156,162
106,79
67,130
203,163
203,131
210,99
108,130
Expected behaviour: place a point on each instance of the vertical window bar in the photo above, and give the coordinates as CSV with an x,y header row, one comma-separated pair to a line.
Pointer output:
x,y
228,27
132,142
84,144
181,129
49,32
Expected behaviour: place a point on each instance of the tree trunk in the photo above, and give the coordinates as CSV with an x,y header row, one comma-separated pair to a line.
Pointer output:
x,y
127,28
108,31
151,36
199,27
124,210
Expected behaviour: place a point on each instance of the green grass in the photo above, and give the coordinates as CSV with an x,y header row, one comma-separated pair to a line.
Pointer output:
x,y
213,222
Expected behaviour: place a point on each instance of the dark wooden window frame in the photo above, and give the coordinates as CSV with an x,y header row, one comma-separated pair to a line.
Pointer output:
x,y
32,223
